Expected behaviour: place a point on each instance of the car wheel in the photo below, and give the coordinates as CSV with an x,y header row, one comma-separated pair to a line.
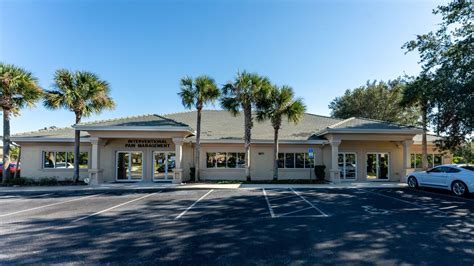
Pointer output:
x,y
459,188
412,182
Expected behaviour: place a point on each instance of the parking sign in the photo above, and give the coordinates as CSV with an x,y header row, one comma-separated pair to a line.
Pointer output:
x,y
311,153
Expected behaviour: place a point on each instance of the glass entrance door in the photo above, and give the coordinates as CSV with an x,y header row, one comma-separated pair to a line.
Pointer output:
x,y
378,166
129,166
347,162
163,165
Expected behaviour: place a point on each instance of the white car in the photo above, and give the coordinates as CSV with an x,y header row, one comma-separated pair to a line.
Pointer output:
x,y
459,178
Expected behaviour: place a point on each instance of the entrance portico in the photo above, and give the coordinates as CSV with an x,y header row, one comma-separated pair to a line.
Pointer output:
x,y
130,153
357,158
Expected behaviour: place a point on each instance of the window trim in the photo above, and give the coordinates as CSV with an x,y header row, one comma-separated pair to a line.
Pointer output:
x,y
421,153
167,173
129,171
226,160
63,169
294,161
344,165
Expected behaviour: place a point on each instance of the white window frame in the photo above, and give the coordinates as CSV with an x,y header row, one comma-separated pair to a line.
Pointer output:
x,y
344,165
167,176
294,161
377,168
433,154
226,156
129,171
67,168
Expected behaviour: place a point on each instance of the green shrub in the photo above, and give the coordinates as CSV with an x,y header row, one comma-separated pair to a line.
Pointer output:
x,y
20,181
319,171
48,181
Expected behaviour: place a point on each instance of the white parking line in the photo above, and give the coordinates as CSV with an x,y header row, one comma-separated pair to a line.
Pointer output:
x,y
292,212
48,205
114,207
407,202
311,204
268,203
192,205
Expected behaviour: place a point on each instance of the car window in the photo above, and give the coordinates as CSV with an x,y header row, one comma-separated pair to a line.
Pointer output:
x,y
468,167
452,170
435,170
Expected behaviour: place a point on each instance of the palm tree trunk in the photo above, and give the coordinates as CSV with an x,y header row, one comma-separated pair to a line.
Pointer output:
x,y
275,154
247,138
77,143
6,145
17,174
198,145
424,144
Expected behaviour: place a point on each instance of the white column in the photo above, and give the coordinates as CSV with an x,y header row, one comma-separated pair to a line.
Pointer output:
x,y
334,171
406,159
95,173
178,171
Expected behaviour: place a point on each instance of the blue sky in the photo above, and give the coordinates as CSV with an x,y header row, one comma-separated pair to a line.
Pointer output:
x,y
143,48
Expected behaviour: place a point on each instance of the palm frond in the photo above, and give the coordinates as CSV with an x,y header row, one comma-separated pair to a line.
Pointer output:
x,y
18,88
81,92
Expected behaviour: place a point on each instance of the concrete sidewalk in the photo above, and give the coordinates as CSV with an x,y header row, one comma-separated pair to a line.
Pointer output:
x,y
259,186
154,186
102,187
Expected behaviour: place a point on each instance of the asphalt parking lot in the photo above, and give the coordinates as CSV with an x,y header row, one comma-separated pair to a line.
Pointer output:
x,y
238,226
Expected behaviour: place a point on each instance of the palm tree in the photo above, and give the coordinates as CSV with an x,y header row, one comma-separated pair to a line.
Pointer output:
x,y
196,93
241,95
418,93
19,88
280,103
83,93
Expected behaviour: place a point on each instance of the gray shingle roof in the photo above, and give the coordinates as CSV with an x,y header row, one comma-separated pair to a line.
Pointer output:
x,y
363,123
44,134
151,120
218,124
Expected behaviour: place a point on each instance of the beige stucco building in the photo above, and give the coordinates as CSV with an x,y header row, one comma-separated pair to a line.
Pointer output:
x,y
160,148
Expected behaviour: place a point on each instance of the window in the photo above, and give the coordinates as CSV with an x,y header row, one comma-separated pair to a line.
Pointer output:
x,y
49,160
221,161
289,160
347,163
438,159
211,160
64,160
281,160
129,166
294,160
468,167
436,170
299,160
433,160
225,160
232,160
241,160
452,170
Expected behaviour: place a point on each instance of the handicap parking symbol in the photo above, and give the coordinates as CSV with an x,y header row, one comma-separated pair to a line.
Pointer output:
x,y
373,210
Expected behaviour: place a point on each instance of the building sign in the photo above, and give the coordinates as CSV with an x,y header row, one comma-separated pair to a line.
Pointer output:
x,y
147,143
